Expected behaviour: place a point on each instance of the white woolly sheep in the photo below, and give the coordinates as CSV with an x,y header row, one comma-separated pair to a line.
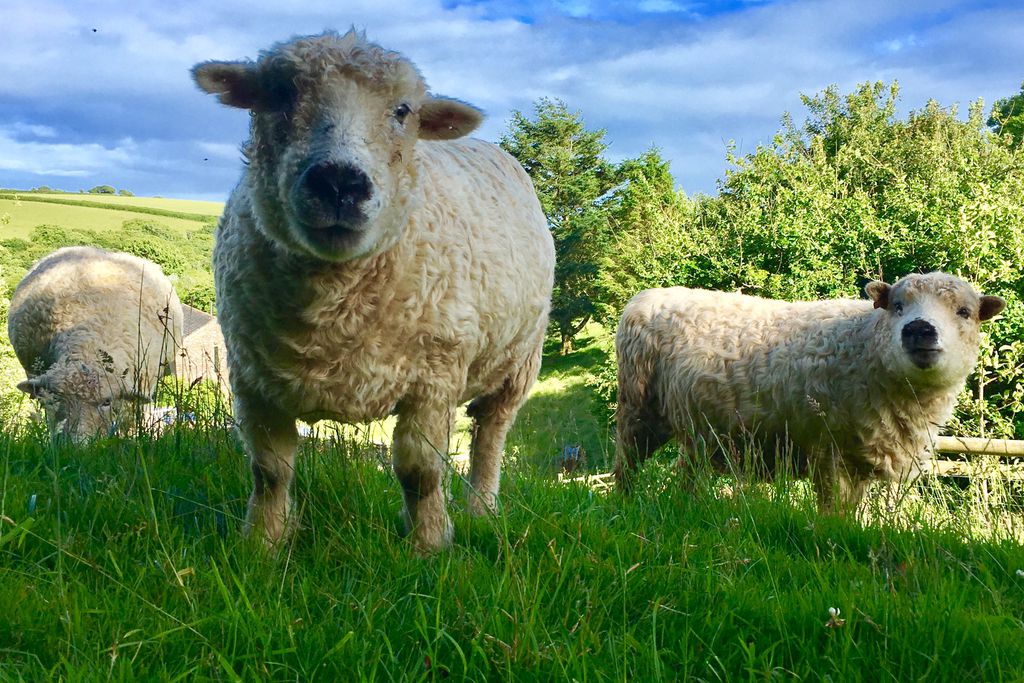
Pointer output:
x,y
850,390
369,263
94,330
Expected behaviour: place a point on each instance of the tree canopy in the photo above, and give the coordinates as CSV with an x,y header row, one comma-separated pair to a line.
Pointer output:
x,y
568,169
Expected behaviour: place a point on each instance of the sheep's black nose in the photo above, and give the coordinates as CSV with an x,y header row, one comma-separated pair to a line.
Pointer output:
x,y
920,334
340,187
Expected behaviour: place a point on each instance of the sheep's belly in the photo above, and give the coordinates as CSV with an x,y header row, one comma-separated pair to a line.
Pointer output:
x,y
352,394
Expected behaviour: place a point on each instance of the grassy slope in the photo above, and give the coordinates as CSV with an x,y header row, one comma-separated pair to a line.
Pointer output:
x,y
562,410
179,205
29,211
125,560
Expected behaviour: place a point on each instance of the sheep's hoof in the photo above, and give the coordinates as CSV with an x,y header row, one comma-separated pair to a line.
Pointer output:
x,y
273,528
431,536
482,504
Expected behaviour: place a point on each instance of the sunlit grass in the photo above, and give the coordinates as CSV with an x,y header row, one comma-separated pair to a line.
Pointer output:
x,y
125,560
205,208
27,215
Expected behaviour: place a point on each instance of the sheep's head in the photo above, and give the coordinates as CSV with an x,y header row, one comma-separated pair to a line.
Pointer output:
x,y
81,400
930,326
335,120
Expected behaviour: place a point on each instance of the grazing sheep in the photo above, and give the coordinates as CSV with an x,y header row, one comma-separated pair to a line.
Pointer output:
x,y
857,389
94,330
369,263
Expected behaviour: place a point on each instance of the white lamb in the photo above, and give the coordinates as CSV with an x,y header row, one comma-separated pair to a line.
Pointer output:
x,y
847,391
369,263
95,330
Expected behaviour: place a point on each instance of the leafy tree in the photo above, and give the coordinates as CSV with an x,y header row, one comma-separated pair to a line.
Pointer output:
x,y
857,193
125,193
102,189
1007,117
653,239
571,176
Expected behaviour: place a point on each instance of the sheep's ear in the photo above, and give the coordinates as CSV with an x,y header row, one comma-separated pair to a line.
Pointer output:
x,y
878,292
444,118
991,306
235,84
30,387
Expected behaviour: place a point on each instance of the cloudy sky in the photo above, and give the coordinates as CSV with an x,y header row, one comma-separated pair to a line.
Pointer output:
x,y
95,92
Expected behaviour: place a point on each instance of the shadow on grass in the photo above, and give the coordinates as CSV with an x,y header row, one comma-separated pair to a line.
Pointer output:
x,y
572,363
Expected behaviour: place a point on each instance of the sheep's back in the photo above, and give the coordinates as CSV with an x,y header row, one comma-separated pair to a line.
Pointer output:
x,y
117,303
733,362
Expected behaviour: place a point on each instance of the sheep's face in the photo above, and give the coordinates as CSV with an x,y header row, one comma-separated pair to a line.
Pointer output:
x,y
335,121
79,400
930,326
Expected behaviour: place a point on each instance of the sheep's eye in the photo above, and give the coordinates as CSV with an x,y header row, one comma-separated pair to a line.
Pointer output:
x,y
107,403
401,111
898,307
964,312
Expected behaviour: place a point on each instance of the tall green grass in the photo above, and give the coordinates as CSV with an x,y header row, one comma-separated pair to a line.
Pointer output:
x,y
124,560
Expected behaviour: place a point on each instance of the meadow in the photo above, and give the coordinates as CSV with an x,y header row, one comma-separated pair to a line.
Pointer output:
x,y
188,206
25,211
125,559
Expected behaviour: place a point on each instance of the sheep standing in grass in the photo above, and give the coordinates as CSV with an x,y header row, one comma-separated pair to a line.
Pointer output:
x,y
370,263
856,389
94,330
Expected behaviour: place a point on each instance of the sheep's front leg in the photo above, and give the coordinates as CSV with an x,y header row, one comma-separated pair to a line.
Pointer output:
x,y
270,439
419,447
839,490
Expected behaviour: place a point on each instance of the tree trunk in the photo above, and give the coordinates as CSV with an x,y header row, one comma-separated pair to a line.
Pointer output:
x,y
568,332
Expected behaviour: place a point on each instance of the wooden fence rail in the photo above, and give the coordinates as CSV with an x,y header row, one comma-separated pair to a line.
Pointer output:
x,y
965,445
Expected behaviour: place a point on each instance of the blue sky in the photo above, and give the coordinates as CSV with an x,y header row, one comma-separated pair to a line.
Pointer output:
x,y
98,92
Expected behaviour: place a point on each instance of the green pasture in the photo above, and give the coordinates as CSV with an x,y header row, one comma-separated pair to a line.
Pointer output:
x,y
27,214
125,560
181,205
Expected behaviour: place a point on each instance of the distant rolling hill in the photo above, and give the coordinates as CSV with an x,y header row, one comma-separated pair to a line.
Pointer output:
x,y
21,212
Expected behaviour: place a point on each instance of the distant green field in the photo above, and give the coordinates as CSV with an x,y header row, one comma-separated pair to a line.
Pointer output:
x,y
27,213
183,205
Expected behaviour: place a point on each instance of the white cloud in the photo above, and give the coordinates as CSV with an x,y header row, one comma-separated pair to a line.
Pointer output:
x,y
62,159
664,75
22,129
220,150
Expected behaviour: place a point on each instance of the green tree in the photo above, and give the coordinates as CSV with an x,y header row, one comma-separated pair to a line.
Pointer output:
x,y
125,193
570,174
102,189
853,193
653,242
857,193
1007,117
